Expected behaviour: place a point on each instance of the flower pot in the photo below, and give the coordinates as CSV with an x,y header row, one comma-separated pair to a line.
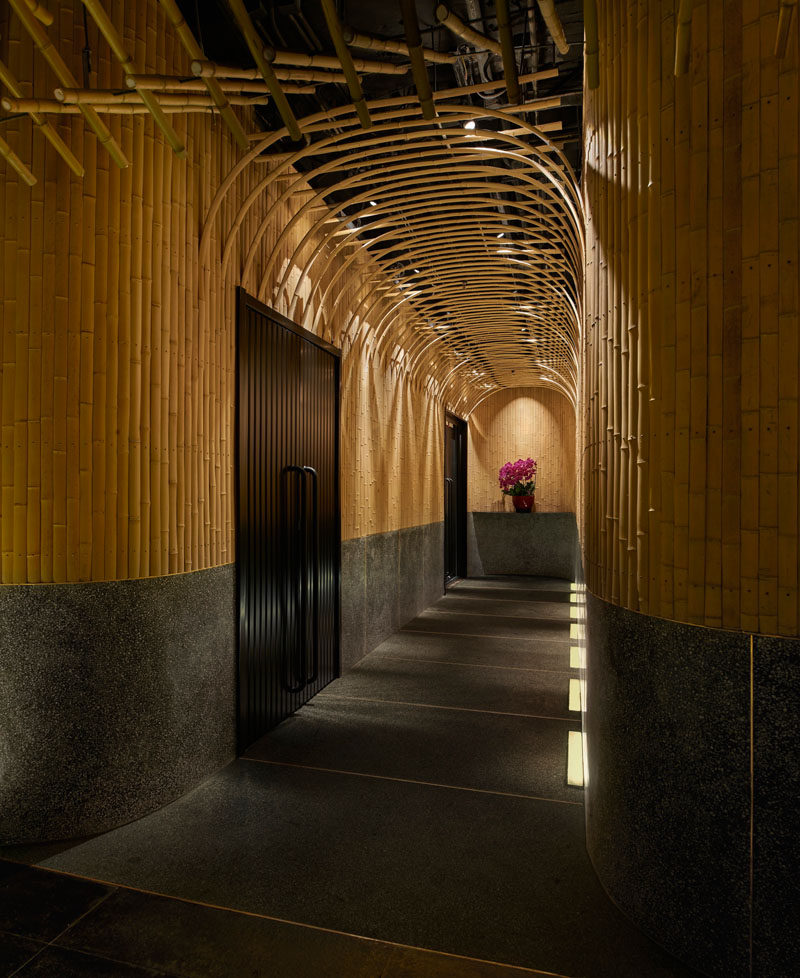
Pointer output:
x,y
524,504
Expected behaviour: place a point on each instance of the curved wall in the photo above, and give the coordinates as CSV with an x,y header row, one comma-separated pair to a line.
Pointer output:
x,y
115,698
117,415
690,479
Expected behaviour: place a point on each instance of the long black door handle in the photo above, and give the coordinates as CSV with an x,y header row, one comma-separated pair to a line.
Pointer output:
x,y
310,678
298,560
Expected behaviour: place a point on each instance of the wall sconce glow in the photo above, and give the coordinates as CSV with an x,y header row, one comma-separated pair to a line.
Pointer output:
x,y
470,124
575,759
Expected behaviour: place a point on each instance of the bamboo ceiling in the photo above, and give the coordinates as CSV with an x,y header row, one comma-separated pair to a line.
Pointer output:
x,y
469,216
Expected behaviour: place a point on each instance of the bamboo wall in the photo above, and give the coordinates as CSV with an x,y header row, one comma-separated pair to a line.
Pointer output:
x,y
117,343
522,422
690,428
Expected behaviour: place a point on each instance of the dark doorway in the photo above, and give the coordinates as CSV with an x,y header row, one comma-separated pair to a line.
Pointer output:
x,y
288,527
455,498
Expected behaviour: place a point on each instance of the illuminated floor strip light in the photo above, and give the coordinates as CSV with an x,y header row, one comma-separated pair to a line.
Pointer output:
x,y
575,695
575,759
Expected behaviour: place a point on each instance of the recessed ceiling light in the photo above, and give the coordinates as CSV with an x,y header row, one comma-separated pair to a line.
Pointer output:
x,y
372,203
470,124
502,234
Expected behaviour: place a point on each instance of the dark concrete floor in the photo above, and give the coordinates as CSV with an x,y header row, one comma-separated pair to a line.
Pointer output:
x,y
412,820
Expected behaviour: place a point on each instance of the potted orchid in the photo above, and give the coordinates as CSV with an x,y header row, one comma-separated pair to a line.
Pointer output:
x,y
518,480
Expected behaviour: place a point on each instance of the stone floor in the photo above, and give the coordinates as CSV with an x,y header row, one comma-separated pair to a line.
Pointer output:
x,y
413,819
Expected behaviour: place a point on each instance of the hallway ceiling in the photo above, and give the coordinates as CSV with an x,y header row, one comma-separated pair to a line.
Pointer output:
x,y
476,231
459,205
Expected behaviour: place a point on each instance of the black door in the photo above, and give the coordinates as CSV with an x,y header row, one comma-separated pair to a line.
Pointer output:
x,y
455,498
288,535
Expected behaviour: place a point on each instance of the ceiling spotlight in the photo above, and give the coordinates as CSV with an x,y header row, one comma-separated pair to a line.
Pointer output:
x,y
372,203
469,124
502,234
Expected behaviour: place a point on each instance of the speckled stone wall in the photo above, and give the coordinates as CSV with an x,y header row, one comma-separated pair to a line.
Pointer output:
x,y
387,579
543,544
115,698
674,819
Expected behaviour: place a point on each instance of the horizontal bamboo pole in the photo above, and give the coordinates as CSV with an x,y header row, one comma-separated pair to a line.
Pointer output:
x,y
346,59
193,49
171,105
553,22
46,129
14,161
65,76
42,14
302,60
368,43
161,82
785,14
102,96
256,48
117,45
454,24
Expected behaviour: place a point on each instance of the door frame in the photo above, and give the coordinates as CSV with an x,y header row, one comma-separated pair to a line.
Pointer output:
x,y
461,502
246,301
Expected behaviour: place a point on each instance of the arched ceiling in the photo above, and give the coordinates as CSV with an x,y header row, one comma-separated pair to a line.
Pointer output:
x,y
474,234
453,201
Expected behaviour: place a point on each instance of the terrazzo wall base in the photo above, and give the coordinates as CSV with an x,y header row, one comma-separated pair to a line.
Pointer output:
x,y
668,796
387,579
542,544
115,698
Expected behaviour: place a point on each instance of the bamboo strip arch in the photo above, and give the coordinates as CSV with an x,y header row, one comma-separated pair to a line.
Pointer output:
x,y
472,242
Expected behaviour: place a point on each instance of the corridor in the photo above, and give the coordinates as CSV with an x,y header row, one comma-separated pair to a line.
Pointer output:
x,y
413,819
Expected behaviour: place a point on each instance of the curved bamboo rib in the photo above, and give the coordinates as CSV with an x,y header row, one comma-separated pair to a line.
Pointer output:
x,y
467,245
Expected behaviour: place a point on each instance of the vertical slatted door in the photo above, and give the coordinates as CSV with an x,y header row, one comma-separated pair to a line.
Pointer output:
x,y
288,526
455,498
